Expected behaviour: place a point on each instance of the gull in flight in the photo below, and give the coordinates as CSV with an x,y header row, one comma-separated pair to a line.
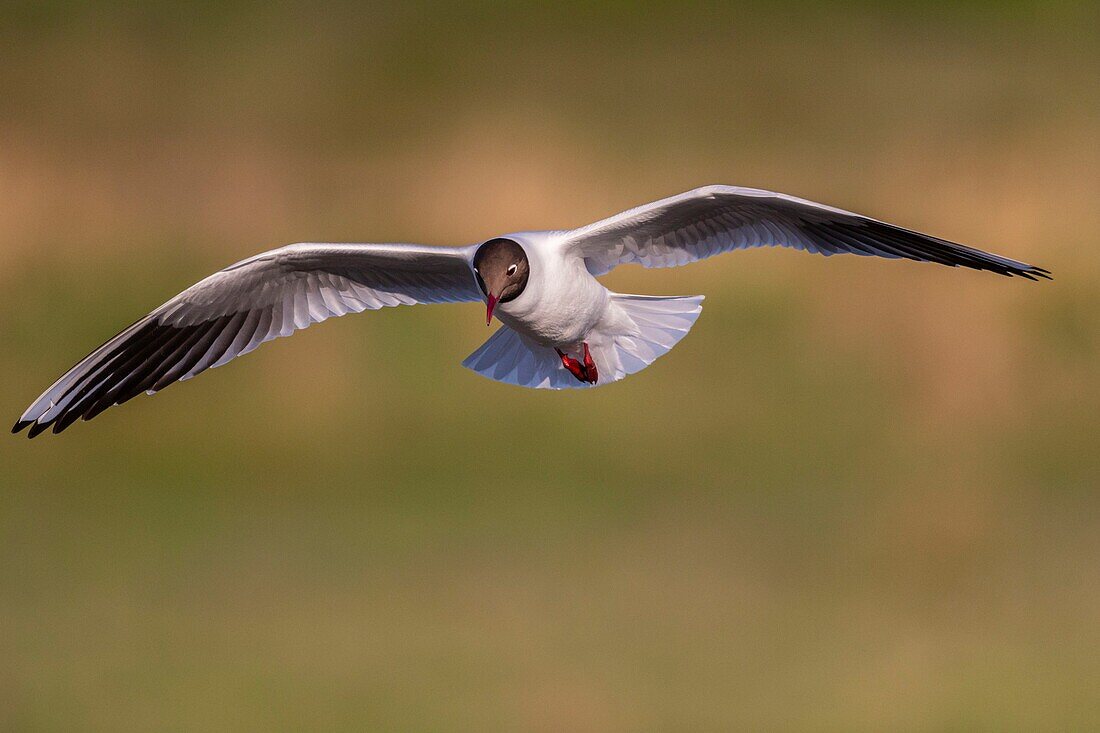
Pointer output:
x,y
561,326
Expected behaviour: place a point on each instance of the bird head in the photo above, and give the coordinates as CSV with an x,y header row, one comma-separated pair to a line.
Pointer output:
x,y
501,268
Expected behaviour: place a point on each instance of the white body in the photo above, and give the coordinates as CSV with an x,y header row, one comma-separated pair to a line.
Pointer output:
x,y
564,307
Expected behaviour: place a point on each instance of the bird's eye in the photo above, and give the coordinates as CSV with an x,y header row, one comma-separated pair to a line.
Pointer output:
x,y
511,270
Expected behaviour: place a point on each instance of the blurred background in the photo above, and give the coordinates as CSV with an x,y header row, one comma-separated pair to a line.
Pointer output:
x,y
862,495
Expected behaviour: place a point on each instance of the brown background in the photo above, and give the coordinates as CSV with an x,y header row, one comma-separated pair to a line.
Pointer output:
x,y
862,495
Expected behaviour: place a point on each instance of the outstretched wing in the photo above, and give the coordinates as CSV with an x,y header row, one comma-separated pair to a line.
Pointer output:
x,y
715,219
235,310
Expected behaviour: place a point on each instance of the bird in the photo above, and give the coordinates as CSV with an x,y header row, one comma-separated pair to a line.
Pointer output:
x,y
560,327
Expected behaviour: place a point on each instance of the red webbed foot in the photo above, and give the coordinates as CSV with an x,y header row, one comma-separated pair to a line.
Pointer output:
x,y
584,372
590,366
575,367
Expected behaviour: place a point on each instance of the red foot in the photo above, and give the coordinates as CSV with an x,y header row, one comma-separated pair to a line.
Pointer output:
x,y
575,368
585,372
590,366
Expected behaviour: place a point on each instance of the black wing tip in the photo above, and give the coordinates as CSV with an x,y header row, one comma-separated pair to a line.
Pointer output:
x,y
1029,272
55,425
39,426
890,240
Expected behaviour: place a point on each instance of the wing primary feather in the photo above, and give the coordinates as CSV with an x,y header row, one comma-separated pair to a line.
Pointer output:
x,y
241,339
37,429
117,372
147,361
842,242
82,373
107,395
262,332
185,357
93,372
94,375
217,349
154,365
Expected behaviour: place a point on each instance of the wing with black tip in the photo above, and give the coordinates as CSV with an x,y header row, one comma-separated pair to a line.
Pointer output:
x,y
235,310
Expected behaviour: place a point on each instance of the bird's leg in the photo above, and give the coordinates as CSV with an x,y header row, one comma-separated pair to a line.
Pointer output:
x,y
584,371
590,366
575,368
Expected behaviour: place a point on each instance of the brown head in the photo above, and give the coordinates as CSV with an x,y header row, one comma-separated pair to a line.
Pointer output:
x,y
501,268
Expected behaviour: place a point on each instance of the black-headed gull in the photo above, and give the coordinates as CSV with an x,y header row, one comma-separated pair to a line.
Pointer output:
x,y
562,328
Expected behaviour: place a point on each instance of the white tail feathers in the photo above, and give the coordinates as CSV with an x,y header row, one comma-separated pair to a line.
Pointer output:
x,y
654,325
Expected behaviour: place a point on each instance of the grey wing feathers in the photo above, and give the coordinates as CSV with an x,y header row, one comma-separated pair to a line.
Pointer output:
x,y
715,219
235,310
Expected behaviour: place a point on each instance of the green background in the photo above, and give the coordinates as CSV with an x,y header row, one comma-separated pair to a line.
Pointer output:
x,y
861,495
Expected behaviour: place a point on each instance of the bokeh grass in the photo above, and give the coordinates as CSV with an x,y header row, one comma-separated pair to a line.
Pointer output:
x,y
861,495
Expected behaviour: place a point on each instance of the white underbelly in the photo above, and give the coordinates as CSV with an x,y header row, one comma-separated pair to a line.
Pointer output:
x,y
560,313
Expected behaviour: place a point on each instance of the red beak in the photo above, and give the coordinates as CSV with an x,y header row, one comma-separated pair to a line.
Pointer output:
x,y
492,303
